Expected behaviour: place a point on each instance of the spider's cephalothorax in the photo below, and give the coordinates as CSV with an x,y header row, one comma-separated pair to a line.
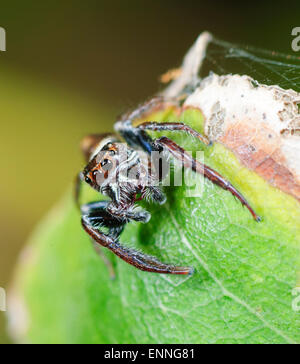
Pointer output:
x,y
126,173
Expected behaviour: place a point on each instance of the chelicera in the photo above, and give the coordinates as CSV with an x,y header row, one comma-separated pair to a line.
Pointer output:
x,y
119,171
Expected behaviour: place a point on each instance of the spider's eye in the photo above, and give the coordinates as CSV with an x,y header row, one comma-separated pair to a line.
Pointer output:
x,y
88,180
106,163
96,173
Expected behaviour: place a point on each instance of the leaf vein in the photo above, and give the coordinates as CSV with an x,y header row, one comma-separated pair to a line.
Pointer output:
x,y
223,289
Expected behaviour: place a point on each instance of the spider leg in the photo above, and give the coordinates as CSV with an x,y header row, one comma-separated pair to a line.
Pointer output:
x,y
132,214
95,215
189,162
180,127
143,109
133,257
134,136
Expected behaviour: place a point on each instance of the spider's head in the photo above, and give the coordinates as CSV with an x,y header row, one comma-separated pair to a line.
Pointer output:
x,y
101,166
113,164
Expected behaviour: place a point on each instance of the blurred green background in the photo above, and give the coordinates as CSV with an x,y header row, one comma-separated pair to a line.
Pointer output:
x,y
71,67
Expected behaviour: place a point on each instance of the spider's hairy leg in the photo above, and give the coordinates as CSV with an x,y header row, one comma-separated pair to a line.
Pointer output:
x,y
128,214
189,162
143,109
155,194
134,136
133,257
95,216
154,103
176,127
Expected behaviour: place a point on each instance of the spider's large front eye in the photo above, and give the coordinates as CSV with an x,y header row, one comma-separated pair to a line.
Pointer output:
x,y
88,180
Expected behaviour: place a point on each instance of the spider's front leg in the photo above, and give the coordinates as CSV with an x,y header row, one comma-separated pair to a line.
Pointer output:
x,y
177,127
128,214
134,136
137,136
95,216
189,162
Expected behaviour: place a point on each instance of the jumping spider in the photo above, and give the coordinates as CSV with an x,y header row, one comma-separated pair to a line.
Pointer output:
x,y
108,173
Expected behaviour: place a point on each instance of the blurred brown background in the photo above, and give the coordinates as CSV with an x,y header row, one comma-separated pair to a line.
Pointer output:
x,y
72,67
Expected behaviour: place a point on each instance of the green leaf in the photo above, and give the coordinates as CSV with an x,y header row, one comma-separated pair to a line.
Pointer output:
x,y
241,291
